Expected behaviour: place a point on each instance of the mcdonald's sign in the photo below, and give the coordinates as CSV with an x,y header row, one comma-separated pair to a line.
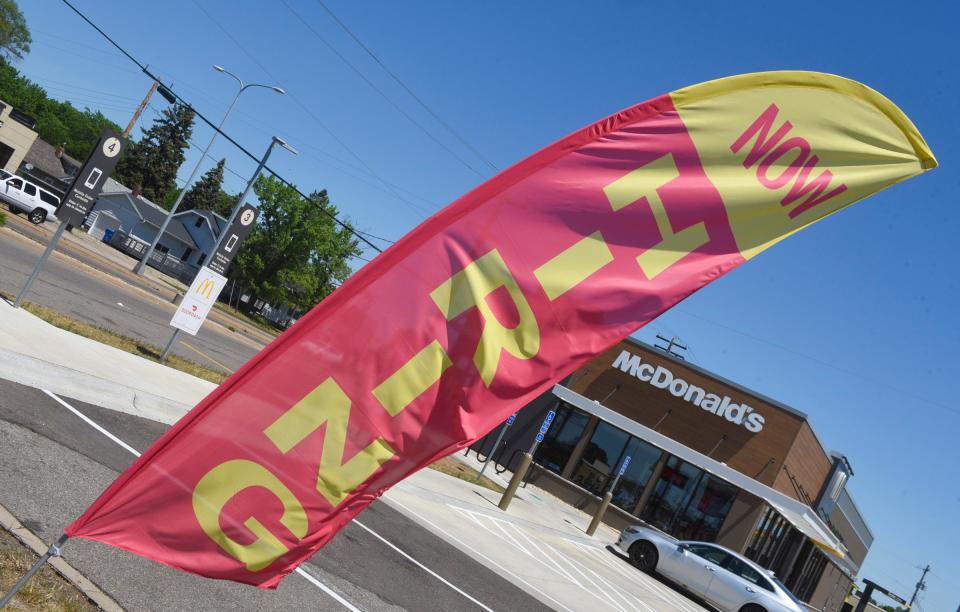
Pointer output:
x,y
199,299
206,287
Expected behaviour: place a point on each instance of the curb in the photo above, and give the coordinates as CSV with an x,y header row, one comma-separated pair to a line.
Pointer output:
x,y
70,573
87,388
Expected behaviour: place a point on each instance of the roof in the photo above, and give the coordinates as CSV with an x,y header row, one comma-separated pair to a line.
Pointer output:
x,y
215,221
151,214
43,156
801,516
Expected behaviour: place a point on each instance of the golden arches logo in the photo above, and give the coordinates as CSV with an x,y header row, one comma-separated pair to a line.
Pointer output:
x,y
206,288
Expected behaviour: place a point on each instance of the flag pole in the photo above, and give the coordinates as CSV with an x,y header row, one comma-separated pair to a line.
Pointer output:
x,y
53,551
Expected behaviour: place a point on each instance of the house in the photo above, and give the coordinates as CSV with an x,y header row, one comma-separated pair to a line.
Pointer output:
x,y
48,166
205,228
16,137
130,222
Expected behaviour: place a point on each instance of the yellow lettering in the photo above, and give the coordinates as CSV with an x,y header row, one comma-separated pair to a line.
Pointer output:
x,y
220,485
644,183
413,378
469,288
572,266
329,404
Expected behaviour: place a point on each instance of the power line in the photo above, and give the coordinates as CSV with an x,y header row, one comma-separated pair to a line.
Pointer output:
x,y
333,217
381,92
400,82
820,361
255,123
306,109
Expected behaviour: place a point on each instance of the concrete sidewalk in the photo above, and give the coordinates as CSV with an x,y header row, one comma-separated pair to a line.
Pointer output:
x,y
540,544
35,353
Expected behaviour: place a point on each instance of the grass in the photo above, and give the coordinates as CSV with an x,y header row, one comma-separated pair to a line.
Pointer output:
x,y
124,343
452,467
47,590
258,322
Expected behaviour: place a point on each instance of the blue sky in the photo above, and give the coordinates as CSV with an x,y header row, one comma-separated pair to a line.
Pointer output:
x,y
848,321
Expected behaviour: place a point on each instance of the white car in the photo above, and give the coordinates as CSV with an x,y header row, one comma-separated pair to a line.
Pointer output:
x,y
22,195
719,576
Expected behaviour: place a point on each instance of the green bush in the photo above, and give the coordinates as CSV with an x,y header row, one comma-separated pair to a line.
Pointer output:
x,y
3,219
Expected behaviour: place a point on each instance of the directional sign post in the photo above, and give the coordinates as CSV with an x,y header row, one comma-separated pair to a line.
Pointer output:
x,y
210,280
232,238
544,428
81,196
496,445
623,470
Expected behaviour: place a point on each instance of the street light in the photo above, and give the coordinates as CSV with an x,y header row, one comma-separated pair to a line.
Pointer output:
x,y
253,179
233,215
142,265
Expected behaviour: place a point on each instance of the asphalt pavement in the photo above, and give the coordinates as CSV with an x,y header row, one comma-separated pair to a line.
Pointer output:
x,y
79,291
53,464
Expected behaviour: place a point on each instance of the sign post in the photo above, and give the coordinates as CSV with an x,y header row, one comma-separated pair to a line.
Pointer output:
x,y
543,431
81,196
210,280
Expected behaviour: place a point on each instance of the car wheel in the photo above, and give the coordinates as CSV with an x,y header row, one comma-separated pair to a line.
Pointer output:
x,y
752,608
37,216
644,555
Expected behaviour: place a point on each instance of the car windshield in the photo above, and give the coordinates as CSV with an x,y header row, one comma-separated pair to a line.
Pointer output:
x,y
784,588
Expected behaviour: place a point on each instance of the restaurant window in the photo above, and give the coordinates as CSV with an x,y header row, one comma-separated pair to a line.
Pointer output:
x,y
643,458
673,491
705,512
600,458
562,437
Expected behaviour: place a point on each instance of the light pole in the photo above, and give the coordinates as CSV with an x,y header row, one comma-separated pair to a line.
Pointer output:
x,y
142,265
233,215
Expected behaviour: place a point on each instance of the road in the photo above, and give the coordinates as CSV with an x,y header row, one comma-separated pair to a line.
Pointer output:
x,y
78,291
52,465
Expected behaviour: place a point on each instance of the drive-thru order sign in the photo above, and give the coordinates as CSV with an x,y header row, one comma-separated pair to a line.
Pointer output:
x,y
198,301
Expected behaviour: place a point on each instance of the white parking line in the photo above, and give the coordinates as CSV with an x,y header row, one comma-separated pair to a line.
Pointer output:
x,y
346,604
477,552
343,602
92,424
421,565
598,592
651,584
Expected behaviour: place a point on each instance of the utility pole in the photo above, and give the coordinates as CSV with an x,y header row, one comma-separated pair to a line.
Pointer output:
x,y
143,105
671,343
921,586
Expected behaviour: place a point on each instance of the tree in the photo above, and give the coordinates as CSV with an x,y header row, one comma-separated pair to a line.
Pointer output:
x,y
14,35
57,122
296,255
205,194
152,163
225,203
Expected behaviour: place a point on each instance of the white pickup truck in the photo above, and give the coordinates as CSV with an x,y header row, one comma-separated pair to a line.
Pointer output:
x,y
22,195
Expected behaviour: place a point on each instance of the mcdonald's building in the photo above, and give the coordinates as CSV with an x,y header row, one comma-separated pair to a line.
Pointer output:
x,y
709,460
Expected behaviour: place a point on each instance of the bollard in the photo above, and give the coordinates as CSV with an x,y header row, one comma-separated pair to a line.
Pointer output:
x,y
525,460
601,510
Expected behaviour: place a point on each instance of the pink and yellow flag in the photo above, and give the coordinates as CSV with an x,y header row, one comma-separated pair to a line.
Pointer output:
x,y
483,306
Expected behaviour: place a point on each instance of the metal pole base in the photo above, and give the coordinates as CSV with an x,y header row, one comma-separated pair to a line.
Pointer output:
x,y
43,259
601,510
525,460
169,347
53,551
